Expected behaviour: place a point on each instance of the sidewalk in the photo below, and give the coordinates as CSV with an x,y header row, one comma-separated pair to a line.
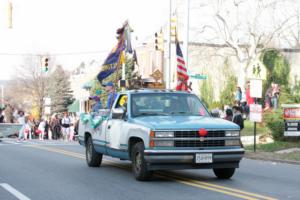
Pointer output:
x,y
268,156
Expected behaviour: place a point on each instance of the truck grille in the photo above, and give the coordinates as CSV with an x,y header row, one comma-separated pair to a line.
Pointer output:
x,y
197,142
195,134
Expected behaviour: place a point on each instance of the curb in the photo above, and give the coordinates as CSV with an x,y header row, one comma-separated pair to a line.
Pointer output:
x,y
254,156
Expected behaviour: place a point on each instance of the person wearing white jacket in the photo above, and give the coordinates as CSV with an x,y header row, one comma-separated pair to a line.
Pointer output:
x,y
21,120
41,129
66,124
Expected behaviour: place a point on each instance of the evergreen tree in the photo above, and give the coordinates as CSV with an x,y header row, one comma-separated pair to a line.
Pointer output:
x,y
227,93
206,92
59,90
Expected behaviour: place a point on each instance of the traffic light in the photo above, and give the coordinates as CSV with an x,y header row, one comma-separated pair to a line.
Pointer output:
x,y
159,41
45,63
173,25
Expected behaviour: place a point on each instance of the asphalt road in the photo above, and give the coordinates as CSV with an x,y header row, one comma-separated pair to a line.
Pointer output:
x,y
54,170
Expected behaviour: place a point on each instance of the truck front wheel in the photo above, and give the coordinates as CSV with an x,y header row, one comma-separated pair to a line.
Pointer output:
x,y
224,173
93,158
139,165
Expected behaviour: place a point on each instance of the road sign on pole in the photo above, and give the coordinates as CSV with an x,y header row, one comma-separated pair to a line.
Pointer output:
x,y
256,88
255,112
47,101
47,110
255,116
198,76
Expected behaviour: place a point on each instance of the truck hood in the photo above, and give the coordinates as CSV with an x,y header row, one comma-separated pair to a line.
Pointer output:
x,y
184,122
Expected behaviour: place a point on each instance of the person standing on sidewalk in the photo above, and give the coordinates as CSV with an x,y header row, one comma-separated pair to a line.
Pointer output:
x,y
21,120
275,95
66,123
237,116
55,127
1,117
238,96
41,129
229,115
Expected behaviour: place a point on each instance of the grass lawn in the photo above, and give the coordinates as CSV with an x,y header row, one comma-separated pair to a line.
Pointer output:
x,y
289,156
249,129
266,151
276,146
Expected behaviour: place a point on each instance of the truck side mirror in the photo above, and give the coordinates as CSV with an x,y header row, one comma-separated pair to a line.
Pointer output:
x,y
117,113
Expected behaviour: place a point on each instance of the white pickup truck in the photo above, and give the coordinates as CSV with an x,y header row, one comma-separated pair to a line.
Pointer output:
x,y
162,129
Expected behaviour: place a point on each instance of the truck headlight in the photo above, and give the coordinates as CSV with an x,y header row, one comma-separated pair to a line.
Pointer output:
x,y
164,134
232,143
164,143
232,133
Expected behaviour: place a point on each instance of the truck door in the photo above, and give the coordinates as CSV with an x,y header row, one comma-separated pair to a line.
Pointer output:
x,y
114,131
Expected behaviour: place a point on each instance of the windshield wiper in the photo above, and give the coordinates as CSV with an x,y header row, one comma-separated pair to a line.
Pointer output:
x,y
151,113
181,112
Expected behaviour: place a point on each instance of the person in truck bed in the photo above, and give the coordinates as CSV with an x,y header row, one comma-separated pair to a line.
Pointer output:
x,y
112,95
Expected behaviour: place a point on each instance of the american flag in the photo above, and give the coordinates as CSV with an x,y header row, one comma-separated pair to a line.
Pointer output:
x,y
182,76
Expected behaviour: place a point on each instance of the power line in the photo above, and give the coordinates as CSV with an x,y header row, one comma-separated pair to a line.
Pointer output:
x,y
55,54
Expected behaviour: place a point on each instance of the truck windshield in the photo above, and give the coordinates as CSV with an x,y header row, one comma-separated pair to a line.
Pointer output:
x,y
151,104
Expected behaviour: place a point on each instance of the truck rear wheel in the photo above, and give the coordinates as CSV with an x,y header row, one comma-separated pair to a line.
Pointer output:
x,y
139,165
224,173
93,159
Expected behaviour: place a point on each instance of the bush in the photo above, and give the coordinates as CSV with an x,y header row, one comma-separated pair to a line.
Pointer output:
x,y
274,121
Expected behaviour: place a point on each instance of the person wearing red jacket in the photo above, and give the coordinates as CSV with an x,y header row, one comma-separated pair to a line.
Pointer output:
x,y
249,99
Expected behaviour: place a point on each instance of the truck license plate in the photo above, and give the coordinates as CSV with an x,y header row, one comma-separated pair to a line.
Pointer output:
x,y
204,158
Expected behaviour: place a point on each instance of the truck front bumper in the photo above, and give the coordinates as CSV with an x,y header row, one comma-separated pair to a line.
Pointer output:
x,y
185,159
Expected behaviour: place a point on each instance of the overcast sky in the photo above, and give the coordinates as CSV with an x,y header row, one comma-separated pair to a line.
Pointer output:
x,y
68,26
59,27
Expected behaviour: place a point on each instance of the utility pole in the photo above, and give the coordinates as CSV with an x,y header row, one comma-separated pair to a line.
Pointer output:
x,y
9,14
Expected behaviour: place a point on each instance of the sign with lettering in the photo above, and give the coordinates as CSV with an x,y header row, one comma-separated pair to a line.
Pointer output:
x,y
291,115
255,112
256,88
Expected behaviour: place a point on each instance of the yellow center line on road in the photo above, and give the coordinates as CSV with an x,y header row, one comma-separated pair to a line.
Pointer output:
x,y
170,176
219,187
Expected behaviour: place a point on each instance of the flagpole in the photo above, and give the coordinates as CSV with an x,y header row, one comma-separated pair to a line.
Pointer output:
x,y
186,33
123,70
168,68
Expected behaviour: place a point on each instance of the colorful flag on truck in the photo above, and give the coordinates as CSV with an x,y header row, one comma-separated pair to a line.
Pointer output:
x,y
116,56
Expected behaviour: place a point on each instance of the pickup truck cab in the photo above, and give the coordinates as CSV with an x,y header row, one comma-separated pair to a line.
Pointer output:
x,y
162,130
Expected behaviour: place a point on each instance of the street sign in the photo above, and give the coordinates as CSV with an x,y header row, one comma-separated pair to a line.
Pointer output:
x,y
255,112
256,88
291,115
47,101
198,76
47,110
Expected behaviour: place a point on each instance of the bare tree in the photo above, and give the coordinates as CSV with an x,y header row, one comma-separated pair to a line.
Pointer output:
x,y
29,84
291,36
247,27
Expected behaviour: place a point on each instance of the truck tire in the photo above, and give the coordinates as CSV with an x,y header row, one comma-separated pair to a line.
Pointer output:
x,y
93,159
224,173
139,165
